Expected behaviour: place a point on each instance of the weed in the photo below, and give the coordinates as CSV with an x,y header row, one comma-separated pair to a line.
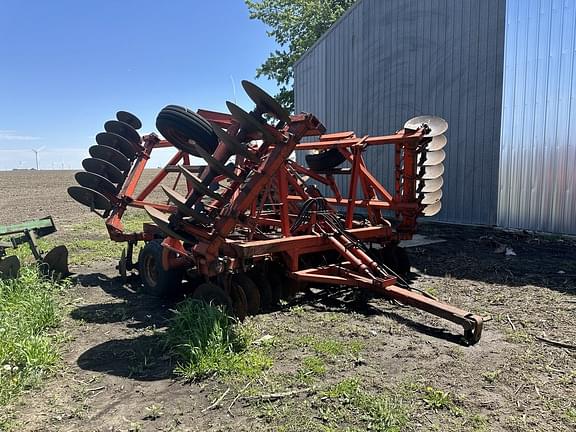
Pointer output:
x,y
479,423
381,412
206,341
570,415
491,376
28,310
154,412
436,398
314,365
518,336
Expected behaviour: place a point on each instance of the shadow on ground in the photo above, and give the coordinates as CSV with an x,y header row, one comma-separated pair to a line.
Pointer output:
x,y
478,253
142,357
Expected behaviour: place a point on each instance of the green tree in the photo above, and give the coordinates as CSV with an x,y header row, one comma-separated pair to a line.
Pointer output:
x,y
295,25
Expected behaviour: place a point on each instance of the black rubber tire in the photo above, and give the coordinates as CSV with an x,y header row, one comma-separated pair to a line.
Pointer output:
x,y
178,124
213,295
325,160
156,280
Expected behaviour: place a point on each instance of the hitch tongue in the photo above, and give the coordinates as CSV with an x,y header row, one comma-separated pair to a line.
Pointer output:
x,y
471,323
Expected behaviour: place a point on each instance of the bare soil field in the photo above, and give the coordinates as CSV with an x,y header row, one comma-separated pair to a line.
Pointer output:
x,y
337,365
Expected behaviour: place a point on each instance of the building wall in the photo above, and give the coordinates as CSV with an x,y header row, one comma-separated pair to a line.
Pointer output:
x,y
538,141
387,61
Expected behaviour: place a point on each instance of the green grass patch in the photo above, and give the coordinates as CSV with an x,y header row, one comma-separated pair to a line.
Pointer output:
x,y
331,347
313,366
28,344
383,412
205,341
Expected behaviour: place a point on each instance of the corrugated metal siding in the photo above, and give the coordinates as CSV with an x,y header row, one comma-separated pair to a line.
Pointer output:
x,y
388,61
538,141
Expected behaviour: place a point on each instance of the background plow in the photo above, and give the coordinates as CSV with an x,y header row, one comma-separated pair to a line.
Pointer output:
x,y
253,226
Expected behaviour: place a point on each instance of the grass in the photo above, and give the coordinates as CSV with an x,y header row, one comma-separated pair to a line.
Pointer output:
x,y
205,341
28,343
381,412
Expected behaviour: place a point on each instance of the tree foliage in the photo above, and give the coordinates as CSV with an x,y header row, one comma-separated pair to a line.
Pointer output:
x,y
295,25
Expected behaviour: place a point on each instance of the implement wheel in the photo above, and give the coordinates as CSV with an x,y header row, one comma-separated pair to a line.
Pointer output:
x,y
178,125
156,280
325,160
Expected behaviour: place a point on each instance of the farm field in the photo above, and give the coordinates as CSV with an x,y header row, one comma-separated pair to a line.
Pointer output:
x,y
330,364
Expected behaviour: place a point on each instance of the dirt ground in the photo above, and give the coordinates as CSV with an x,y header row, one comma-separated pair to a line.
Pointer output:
x,y
116,375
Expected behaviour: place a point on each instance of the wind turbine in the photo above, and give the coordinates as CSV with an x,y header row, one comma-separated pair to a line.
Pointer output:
x,y
36,151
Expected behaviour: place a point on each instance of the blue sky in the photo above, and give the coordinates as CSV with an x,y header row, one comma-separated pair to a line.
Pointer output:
x,y
67,66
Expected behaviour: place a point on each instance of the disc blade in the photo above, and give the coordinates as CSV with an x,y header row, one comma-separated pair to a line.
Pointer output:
x,y
213,163
437,143
111,155
96,182
431,172
129,118
431,197
264,102
163,223
247,122
57,262
180,202
233,144
198,185
429,158
429,186
118,142
433,209
90,198
103,168
436,125
124,130
9,267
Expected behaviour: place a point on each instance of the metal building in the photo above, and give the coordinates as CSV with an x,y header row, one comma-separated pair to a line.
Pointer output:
x,y
502,72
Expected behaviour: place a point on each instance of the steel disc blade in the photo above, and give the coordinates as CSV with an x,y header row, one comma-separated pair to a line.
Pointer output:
x,y
431,197
111,155
248,122
233,144
437,143
429,186
163,223
436,125
124,130
198,185
429,158
9,267
57,262
264,102
96,182
431,172
103,168
118,142
180,202
214,164
90,198
129,118
433,209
